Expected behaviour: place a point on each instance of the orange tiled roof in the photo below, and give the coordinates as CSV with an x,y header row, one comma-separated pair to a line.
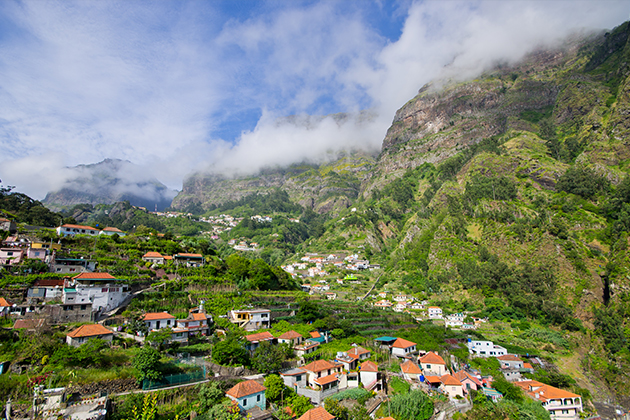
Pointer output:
x,y
92,276
152,254
48,283
357,351
432,378
545,392
368,366
327,379
462,375
190,255
263,336
79,227
401,343
319,365
450,380
243,389
199,316
89,330
528,366
152,316
112,229
315,334
168,257
28,324
318,413
432,358
4,302
290,335
410,367
509,358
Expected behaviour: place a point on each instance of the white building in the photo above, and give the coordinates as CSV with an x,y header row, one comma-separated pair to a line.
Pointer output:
x,y
102,290
403,348
251,320
159,320
561,404
71,230
485,348
435,312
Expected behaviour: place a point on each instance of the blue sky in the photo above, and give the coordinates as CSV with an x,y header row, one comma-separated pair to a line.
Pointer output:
x,y
179,86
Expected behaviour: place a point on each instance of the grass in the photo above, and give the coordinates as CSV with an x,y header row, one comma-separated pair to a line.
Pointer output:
x,y
398,386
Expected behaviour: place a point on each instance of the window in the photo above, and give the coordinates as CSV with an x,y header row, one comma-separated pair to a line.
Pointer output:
x,y
245,402
83,307
258,397
298,378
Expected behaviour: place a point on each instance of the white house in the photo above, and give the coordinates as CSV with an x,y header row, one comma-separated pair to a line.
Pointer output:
x,y
368,374
251,320
110,231
561,404
71,230
483,348
153,257
103,290
403,348
434,312
291,337
410,371
85,332
159,320
451,386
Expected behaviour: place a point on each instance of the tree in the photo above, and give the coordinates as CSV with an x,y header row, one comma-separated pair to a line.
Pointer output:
x,y
268,358
225,411
299,405
414,405
230,352
90,353
308,312
160,337
276,389
147,363
210,394
335,408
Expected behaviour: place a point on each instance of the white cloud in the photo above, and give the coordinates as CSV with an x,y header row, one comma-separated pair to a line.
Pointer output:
x,y
150,82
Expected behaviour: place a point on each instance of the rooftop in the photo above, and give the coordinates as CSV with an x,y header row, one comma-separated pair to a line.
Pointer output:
x,y
152,316
243,389
89,330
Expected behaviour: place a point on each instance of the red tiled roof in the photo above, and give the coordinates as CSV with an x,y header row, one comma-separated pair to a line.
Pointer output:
x,y
462,375
432,358
450,380
152,254
263,336
89,330
153,316
368,366
98,276
199,316
48,283
545,392
327,379
509,358
243,389
432,378
79,227
4,302
401,343
28,324
318,413
290,335
410,367
528,366
358,351
319,365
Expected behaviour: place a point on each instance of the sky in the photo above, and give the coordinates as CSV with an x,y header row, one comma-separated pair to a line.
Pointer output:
x,y
182,86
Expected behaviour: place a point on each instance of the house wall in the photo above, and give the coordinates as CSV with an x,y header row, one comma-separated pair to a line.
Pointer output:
x,y
76,342
103,297
367,378
452,390
158,324
250,401
435,368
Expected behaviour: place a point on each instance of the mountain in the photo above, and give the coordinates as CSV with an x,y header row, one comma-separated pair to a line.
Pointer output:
x,y
107,182
327,187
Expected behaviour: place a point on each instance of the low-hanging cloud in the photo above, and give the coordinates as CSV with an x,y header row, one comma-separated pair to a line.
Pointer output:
x,y
152,82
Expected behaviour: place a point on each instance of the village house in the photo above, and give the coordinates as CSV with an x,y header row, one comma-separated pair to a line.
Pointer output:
x,y
5,307
403,348
368,375
410,371
561,404
46,289
317,413
8,225
11,256
158,320
254,340
248,394
383,304
110,231
196,323
434,312
451,386
432,363
250,320
71,230
37,254
349,363
306,347
468,381
294,378
321,373
360,353
153,257
85,332
189,260
483,348
292,338
71,265
102,290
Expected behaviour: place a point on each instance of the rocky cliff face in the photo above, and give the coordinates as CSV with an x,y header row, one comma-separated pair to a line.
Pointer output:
x,y
324,188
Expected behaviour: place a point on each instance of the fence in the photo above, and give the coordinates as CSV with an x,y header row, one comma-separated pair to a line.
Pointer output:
x,y
171,380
